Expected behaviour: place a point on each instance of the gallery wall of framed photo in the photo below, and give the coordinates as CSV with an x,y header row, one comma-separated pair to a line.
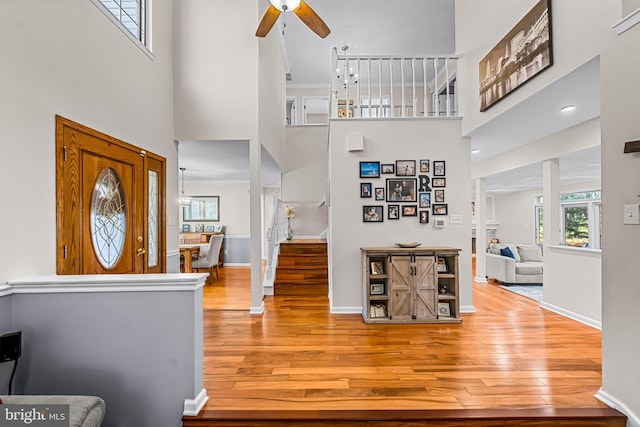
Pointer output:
x,y
403,189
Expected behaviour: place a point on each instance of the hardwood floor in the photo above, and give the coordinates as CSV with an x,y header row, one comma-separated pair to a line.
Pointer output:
x,y
510,354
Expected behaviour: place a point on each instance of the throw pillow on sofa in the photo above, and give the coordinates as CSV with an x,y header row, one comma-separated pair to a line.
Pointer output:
x,y
507,252
495,248
530,253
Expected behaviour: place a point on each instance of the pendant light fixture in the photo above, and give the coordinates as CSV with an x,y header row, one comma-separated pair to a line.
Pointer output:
x,y
183,200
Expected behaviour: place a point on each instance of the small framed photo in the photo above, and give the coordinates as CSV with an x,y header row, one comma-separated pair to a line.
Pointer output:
x,y
438,168
440,209
424,217
376,289
425,200
388,168
410,210
372,214
405,168
393,211
444,310
439,182
424,166
376,267
199,228
186,228
380,193
439,196
365,189
209,228
442,266
401,190
369,169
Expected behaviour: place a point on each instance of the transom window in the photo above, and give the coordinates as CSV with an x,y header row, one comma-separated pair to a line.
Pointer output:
x,y
131,14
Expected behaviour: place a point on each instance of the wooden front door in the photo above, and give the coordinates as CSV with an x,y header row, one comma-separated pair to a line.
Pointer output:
x,y
103,211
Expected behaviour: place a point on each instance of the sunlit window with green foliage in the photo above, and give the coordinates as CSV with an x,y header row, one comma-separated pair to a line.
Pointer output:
x,y
581,219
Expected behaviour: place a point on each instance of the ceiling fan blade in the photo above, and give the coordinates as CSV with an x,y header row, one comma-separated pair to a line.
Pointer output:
x,y
270,17
312,20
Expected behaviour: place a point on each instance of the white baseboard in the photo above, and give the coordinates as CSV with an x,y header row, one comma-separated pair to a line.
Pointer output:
x,y
236,264
257,310
346,310
633,420
267,290
480,279
467,309
193,406
571,315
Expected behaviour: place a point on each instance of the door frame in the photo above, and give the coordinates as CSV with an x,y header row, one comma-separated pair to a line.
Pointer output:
x,y
69,196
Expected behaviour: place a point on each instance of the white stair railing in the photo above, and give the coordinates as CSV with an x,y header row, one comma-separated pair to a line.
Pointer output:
x,y
366,86
274,235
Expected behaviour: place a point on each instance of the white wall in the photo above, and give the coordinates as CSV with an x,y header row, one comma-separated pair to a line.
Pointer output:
x,y
216,83
234,203
305,179
579,31
387,141
66,57
271,93
229,84
621,248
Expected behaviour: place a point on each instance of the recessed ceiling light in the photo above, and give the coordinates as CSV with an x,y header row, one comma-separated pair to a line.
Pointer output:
x,y
474,151
568,108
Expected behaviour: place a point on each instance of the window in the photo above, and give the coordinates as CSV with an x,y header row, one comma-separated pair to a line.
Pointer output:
x,y
131,14
581,219
375,108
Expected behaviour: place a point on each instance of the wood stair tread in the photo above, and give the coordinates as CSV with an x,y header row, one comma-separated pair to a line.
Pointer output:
x,y
544,417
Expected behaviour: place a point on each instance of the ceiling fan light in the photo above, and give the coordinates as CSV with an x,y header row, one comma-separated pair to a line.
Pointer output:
x,y
285,5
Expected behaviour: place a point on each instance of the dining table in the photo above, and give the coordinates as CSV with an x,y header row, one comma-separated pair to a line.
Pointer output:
x,y
188,252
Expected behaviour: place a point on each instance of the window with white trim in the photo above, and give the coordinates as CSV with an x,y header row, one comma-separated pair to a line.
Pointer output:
x,y
131,14
580,219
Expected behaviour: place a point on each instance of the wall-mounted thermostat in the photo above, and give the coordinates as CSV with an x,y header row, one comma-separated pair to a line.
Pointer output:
x,y
632,214
438,223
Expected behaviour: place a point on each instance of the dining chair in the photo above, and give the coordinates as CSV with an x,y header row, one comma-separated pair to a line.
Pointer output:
x,y
212,257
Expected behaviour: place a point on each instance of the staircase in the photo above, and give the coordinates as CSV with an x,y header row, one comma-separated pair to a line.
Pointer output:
x,y
302,268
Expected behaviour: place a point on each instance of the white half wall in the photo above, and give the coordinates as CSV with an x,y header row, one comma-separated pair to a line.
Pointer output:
x,y
573,283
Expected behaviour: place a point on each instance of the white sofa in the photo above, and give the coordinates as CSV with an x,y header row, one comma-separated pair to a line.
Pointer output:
x,y
525,266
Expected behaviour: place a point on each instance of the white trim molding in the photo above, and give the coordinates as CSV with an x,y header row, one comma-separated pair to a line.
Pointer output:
x,y
467,309
192,407
88,283
633,420
346,310
257,310
5,290
627,22
571,315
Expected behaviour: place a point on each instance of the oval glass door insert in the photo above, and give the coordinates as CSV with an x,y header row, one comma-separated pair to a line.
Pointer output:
x,y
108,218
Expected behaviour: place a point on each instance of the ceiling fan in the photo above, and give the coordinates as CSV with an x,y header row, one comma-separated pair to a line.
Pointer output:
x,y
300,8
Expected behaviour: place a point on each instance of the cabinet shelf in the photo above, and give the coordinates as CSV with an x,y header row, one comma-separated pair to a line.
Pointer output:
x,y
411,285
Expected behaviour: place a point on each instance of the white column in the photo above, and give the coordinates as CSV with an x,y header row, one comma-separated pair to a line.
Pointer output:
x,y
481,230
551,195
255,189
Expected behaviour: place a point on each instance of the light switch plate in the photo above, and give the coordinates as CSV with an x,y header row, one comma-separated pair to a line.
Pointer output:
x,y
632,214
455,219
